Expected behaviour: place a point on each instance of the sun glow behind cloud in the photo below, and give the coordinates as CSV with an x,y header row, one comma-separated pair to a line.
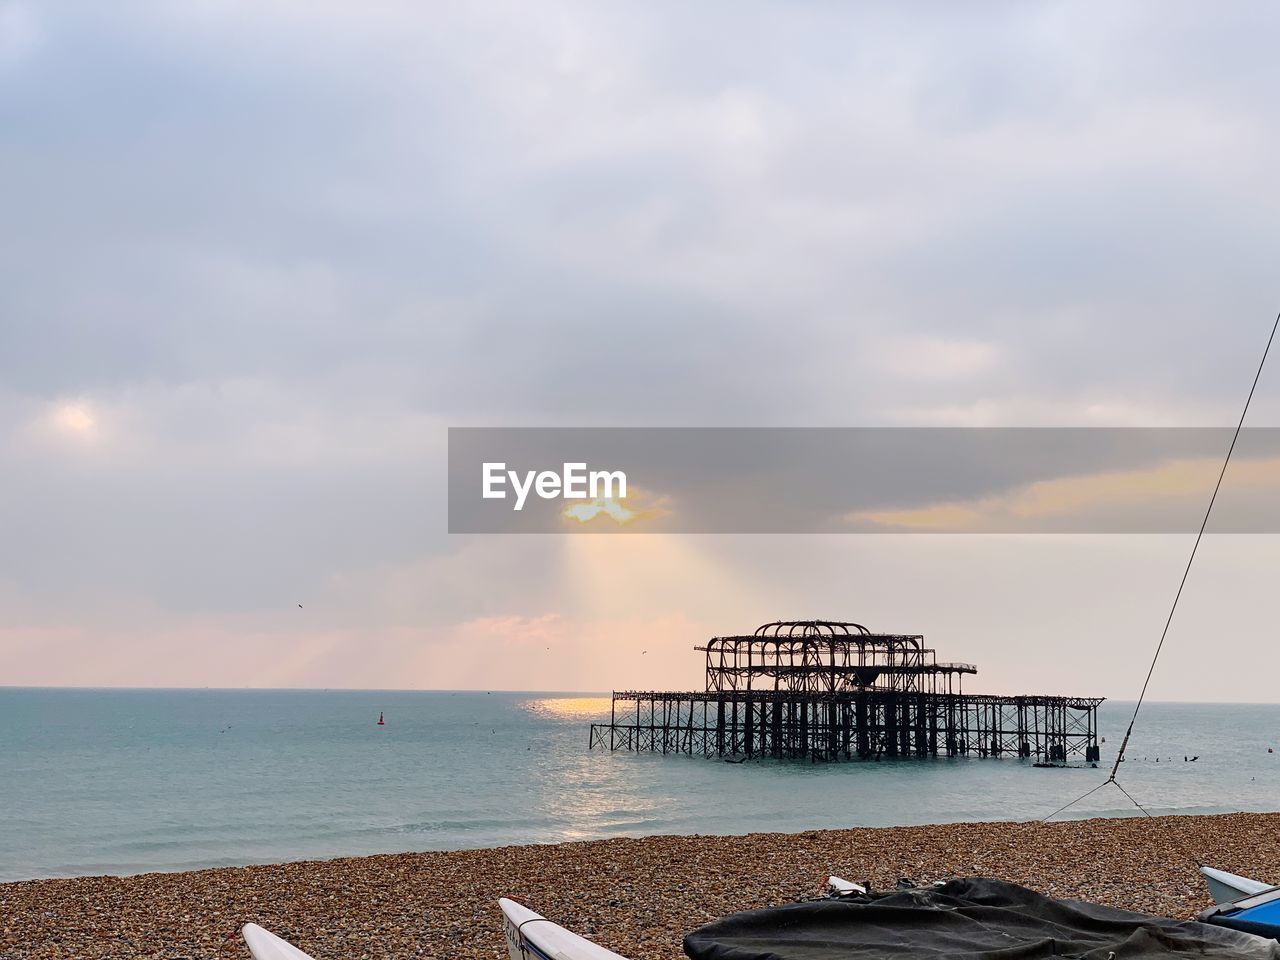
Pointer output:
x,y
637,506
606,506
600,506
74,418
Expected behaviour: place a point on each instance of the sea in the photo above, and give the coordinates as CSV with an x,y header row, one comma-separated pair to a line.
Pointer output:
x,y
97,781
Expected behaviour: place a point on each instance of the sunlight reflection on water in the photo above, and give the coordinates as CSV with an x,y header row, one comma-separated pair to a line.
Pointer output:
x,y
588,708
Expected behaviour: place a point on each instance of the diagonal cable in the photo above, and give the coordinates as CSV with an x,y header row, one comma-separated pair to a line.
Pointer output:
x,y
1068,806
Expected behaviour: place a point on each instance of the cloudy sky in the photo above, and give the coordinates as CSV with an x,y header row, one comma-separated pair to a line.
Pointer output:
x,y
256,259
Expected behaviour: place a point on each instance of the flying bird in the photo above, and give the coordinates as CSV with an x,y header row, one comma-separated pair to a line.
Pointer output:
x,y
299,606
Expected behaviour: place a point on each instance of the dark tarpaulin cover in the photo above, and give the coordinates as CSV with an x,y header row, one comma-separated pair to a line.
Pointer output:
x,y
966,918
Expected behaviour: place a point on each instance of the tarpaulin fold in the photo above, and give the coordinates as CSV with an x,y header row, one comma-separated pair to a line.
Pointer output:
x,y
964,919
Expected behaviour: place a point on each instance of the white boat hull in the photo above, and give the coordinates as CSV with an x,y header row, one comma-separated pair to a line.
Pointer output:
x,y
1226,887
533,937
529,937
265,945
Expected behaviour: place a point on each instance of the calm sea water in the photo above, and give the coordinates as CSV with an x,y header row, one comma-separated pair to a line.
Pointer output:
x,y
126,781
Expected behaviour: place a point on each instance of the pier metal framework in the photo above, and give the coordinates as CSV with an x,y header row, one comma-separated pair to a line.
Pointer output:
x,y
830,690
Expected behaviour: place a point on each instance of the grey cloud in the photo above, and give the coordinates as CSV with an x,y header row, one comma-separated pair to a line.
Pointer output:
x,y
314,148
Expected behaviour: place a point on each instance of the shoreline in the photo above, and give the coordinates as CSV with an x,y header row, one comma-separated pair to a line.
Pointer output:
x,y
636,896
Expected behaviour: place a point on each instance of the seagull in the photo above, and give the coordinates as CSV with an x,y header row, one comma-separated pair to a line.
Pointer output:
x,y
299,606
643,652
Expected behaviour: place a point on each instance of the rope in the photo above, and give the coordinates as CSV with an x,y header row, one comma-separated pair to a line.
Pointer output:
x,y
527,946
1075,801
1178,596
1173,837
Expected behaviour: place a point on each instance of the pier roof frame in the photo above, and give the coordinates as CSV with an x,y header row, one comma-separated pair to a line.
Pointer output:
x,y
811,628
827,632
812,655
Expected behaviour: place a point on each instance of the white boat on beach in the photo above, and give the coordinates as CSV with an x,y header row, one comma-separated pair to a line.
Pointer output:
x,y
533,937
265,945
529,937
1227,887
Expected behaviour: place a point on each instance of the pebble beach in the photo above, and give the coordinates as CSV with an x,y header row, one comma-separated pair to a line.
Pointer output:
x,y
638,897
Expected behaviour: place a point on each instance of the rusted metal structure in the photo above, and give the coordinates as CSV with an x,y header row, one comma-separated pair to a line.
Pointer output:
x,y
833,690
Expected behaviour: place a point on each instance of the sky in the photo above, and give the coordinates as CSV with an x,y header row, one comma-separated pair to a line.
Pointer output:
x,y
257,259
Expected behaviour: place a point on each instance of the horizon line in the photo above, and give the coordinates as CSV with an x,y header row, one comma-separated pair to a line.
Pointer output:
x,y
598,693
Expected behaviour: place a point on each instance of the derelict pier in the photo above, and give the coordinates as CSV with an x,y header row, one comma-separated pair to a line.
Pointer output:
x,y
829,690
